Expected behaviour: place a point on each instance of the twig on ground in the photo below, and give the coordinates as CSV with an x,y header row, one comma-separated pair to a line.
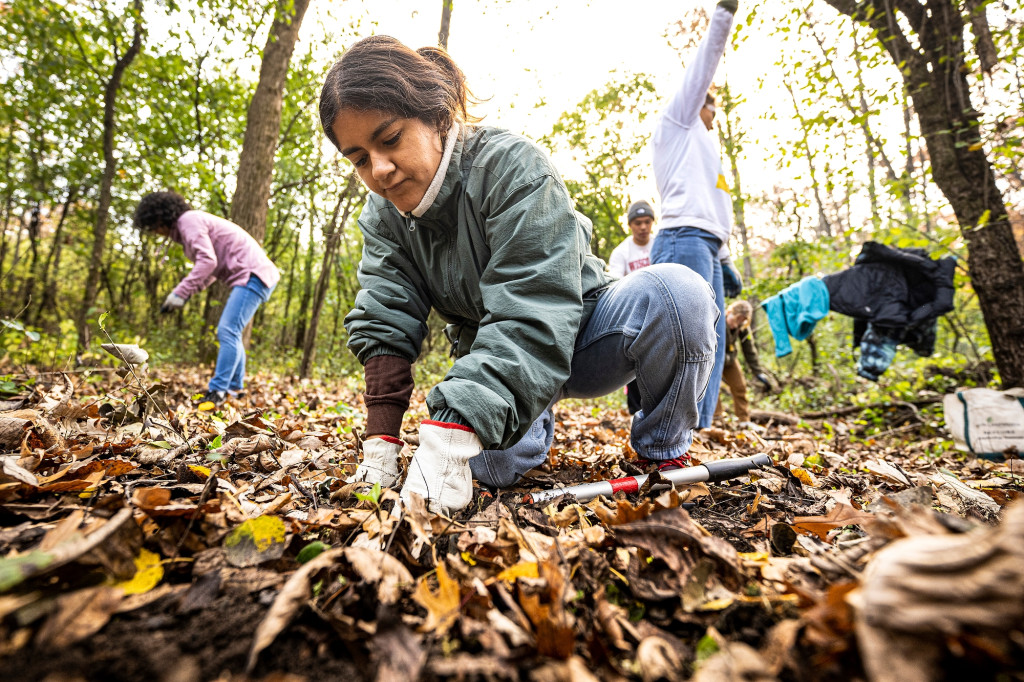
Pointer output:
x,y
854,409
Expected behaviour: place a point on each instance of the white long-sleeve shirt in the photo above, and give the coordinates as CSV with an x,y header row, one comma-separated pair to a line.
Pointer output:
x,y
687,167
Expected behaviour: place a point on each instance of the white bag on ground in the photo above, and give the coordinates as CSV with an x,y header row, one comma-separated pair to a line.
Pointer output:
x,y
985,421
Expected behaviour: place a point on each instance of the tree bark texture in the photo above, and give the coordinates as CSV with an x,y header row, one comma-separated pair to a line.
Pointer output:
x,y
99,240
51,267
731,142
935,75
251,199
307,290
446,23
333,235
263,123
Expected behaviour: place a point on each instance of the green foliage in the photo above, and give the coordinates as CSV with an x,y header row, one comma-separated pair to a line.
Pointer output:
x,y
706,648
311,551
604,136
373,496
181,117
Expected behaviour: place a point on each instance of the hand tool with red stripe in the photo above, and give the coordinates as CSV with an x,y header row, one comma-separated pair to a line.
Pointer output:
x,y
710,472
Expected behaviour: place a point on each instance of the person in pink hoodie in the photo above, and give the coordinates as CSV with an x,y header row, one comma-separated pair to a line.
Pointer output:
x,y
219,250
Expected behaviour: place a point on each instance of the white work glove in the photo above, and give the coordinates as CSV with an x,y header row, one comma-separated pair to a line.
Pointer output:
x,y
172,303
440,470
380,462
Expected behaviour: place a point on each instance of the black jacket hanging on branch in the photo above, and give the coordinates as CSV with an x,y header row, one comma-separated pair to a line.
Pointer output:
x,y
894,296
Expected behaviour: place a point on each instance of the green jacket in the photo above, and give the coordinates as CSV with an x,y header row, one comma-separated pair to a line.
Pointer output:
x,y
505,259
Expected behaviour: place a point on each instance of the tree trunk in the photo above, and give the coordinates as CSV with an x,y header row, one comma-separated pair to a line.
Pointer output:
x,y
286,327
251,199
307,289
824,227
34,230
99,241
8,200
732,143
263,123
446,23
333,239
48,300
935,75
16,256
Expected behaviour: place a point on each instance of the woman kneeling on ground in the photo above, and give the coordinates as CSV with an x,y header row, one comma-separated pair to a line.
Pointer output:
x,y
476,223
219,250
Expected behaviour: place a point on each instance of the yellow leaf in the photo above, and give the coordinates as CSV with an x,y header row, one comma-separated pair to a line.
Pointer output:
x,y
754,556
442,606
524,569
255,541
201,471
716,604
207,406
468,558
805,476
149,571
975,147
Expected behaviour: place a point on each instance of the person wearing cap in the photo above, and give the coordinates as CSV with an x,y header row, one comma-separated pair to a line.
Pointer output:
x,y
696,207
630,255
634,253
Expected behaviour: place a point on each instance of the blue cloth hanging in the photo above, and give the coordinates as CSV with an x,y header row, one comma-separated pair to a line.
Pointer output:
x,y
795,311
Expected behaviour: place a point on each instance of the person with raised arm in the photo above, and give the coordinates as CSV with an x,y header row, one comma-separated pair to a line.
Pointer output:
x,y
696,209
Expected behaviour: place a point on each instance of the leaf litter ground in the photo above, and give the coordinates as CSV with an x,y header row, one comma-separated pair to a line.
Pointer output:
x,y
144,539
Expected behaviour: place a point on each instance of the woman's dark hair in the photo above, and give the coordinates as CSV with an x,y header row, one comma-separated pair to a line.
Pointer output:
x,y
380,73
160,209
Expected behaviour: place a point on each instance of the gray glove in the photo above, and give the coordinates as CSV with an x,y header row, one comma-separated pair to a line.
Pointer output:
x,y
172,303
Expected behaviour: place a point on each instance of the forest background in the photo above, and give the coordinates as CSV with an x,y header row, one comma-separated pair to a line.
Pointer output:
x,y
821,135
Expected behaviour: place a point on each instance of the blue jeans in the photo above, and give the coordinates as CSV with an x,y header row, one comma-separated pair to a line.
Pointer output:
x,y
656,326
698,250
241,306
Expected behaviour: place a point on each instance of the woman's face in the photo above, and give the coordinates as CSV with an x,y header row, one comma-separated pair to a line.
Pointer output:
x,y
396,157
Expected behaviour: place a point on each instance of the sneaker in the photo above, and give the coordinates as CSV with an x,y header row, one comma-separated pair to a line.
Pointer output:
x,y
215,397
651,465
751,426
240,393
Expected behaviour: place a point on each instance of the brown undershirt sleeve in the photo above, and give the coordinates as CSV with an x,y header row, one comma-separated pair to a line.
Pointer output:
x,y
389,386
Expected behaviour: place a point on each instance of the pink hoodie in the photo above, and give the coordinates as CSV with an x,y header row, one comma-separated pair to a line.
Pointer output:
x,y
220,250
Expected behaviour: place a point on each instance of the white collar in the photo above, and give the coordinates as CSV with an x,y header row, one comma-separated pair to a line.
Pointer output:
x,y
442,170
